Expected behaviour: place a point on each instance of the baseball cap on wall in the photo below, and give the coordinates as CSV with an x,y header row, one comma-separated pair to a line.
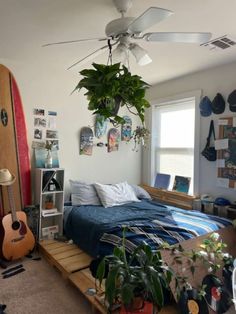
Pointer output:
x,y
218,104
232,101
205,107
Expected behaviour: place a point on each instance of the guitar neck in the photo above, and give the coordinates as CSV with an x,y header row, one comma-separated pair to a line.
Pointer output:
x,y
1,203
12,203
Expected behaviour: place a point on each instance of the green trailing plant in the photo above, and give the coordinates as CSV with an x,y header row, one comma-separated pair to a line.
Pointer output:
x,y
210,254
140,274
140,136
110,87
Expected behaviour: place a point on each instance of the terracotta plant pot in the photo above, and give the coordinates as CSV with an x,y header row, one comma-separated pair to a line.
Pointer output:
x,y
139,306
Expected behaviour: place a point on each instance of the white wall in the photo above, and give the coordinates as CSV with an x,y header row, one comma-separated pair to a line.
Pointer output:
x,y
48,86
221,79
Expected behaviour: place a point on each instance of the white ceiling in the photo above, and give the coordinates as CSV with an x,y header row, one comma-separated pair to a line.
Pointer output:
x,y
27,24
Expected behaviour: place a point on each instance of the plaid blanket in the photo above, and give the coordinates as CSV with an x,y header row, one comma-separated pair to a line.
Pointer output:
x,y
178,226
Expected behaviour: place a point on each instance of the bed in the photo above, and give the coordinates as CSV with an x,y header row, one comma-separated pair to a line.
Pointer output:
x,y
96,229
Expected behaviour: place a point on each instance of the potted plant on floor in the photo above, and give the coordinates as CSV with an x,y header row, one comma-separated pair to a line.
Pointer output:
x,y
110,87
136,280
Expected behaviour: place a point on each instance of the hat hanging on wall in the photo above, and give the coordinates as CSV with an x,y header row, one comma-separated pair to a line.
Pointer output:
x,y
232,101
218,104
205,107
6,178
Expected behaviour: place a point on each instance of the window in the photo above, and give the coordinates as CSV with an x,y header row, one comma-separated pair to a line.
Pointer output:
x,y
175,140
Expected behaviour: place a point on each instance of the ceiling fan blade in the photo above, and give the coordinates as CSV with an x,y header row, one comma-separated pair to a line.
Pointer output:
x,y
89,56
178,37
74,41
150,17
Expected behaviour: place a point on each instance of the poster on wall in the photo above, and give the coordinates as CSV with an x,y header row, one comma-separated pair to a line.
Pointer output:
x,y
52,116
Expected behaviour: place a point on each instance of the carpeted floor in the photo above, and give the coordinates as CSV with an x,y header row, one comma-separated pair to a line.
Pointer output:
x,y
40,289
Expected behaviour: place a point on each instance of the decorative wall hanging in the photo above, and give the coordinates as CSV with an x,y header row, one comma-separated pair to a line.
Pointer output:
x,y
86,141
113,140
100,126
126,129
226,153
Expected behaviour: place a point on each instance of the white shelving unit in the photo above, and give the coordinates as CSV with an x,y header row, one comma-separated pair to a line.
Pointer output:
x,y
49,188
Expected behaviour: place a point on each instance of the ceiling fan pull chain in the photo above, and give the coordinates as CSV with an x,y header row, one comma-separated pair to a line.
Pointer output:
x,y
110,52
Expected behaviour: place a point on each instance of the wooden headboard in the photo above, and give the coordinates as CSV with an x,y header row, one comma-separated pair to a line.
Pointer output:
x,y
170,197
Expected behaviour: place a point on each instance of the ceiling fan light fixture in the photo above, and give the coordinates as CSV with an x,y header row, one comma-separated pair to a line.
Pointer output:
x,y
120,53
140,54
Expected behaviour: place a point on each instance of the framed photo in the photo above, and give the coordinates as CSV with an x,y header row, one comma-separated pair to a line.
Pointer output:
x,y
51,134
38,134
40,157
181,184
39,112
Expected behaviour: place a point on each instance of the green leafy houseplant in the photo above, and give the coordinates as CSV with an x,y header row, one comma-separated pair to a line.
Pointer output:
x,y
210,254
110,87
140,136
142,274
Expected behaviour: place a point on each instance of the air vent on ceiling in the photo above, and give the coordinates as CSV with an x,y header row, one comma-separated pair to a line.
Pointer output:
x,y
223,42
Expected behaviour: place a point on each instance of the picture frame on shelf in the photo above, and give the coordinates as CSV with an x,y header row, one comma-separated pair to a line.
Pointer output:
x,y
40,157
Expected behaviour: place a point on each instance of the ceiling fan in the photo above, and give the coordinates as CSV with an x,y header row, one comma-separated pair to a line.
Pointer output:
x,y
122,33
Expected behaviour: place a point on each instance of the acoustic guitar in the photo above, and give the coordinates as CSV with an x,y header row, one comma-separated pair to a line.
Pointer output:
x,y
18,239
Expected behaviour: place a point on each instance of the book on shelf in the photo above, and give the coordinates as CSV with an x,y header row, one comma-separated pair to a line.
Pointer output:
x,y
51,211
47,177
50,232
50,183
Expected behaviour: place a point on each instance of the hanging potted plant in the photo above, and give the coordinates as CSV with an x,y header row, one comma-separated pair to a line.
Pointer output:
x,y
110,87
140,136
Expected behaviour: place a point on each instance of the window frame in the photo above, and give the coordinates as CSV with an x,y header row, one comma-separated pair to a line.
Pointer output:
x,y
164,101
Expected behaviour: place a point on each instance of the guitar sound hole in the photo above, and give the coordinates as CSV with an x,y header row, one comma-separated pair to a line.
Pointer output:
x,y
15,225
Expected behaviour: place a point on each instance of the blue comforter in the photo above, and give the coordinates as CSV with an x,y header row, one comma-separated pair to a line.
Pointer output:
x,y
97,229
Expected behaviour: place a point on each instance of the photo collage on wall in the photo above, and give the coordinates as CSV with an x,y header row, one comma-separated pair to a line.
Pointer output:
x,y
45,132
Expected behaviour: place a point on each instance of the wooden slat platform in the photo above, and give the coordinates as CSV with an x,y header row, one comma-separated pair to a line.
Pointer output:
x,y
73,263
68,258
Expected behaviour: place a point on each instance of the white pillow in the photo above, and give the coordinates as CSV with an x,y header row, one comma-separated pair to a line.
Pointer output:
x,y
83,193
115,194
140,192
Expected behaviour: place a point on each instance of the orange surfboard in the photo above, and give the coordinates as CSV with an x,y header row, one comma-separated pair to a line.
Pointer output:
x,y
14,151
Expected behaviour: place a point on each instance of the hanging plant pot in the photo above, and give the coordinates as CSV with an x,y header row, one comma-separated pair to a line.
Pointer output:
x,y
110,87
111,106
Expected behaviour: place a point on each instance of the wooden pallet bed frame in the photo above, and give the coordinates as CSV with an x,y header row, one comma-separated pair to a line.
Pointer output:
x,y
173,198
73,263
